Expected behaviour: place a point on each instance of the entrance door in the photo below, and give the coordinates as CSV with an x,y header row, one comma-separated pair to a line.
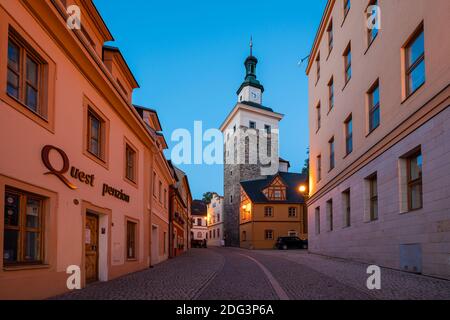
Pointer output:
x,y
91,247
155,245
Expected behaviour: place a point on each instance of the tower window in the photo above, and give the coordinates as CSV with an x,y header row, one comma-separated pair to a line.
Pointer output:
x,y
252,125
268,129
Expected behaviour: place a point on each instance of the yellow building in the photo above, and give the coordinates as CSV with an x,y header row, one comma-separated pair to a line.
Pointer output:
x,y
270,208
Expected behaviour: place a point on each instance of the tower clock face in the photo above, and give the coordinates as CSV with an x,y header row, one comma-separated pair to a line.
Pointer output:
x,y
254,96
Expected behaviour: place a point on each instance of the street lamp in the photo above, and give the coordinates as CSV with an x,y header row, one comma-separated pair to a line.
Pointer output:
x,y
302,188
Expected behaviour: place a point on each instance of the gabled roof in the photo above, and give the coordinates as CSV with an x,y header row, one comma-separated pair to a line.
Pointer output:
x,y
141,109
254,188
198,208
285,161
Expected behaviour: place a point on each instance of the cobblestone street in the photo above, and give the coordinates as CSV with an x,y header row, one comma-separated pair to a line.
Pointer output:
x,y
236,274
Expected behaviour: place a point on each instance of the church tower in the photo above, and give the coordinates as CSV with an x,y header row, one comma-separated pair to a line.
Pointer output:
x,y
250,134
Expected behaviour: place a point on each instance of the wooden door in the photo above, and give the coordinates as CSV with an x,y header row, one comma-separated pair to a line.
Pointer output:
x,y
91,247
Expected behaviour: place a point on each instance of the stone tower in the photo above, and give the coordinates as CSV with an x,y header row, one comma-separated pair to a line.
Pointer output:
x,y
250,146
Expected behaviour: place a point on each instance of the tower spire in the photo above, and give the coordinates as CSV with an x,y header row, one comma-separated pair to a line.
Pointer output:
x,y
251,46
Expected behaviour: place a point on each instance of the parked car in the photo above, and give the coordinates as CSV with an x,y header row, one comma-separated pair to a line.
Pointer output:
x,y
285,243
199,243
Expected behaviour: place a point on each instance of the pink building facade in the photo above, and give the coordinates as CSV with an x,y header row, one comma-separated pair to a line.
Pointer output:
x,y
379,121
77,159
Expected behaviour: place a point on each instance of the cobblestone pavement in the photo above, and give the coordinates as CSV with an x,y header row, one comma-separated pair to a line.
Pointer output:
x,y
237,274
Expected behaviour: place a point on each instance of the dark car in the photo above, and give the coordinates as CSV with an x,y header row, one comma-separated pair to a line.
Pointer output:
x,y
285,243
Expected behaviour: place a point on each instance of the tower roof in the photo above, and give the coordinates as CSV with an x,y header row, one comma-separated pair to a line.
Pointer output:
x,y
250,71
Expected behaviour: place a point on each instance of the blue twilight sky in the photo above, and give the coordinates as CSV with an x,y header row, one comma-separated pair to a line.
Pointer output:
x,y
188,59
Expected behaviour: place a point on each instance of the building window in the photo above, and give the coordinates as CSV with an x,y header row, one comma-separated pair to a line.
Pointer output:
x,y
231,198
318,117
348,63
268,129
372,31
331,94
131,240
214,233
252,125
130,160
319,168
160,192
23,228
268,211
199,221
331,147
330,37
199,235
318,67
317,218
218,217
210,234
330,214
95,134
415,62
292,212
165,198
244,235
414,175
234,128
347,6
154,183
349,135
268,234
25,72
374,107
346,207
373,197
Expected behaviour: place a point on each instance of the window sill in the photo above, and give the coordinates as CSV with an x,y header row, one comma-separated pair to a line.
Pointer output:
x,y
45,122
329,54
412,210
96,159
412,94
346,83
345,18
132,260
371,131
131,182
26,267
370,44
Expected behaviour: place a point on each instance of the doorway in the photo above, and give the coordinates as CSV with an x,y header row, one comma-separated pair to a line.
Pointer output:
x,y
155,245
91,247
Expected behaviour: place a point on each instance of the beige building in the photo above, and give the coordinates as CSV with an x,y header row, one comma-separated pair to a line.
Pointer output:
x,y
380,135
272,207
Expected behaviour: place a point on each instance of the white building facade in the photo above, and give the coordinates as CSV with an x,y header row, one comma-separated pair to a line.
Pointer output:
x,y
215,222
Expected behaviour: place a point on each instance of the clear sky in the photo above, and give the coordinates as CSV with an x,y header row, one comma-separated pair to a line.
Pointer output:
x,y
188,59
